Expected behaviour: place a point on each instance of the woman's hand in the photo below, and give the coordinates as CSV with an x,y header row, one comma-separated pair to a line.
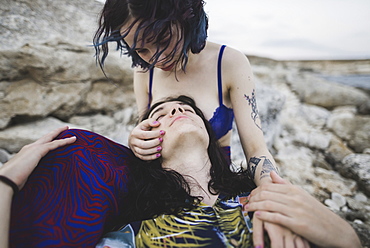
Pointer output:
x,y
24,162
144,143
290,206
280,237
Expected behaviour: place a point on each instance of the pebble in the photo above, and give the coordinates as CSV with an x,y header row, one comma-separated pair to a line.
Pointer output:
x,y
338,199
358,221
360,197
332,204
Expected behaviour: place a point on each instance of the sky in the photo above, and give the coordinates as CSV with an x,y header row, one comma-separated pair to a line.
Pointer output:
x,y
292,29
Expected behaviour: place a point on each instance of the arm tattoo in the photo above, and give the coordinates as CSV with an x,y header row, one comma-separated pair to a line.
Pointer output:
x,y
267,166
252,165
253,103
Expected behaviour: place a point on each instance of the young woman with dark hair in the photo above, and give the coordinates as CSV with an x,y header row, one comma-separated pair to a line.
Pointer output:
x,y
186,198
166,40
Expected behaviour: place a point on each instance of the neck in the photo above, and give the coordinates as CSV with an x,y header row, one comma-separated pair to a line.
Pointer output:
x,y
194,165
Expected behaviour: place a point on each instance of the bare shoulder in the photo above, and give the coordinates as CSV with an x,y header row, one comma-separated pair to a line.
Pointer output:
x,y
235,66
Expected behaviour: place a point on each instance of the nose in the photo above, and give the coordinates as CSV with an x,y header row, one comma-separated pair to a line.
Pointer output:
x,y
177,110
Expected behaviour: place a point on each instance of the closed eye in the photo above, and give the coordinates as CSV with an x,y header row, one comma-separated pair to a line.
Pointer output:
x,y
141,51
159,117
189,110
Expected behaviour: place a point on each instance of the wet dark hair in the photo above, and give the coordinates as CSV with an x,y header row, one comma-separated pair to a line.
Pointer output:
x,y
156,20
153,190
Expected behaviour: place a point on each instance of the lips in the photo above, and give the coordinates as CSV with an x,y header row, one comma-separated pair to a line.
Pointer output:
x,y
168,68
178,118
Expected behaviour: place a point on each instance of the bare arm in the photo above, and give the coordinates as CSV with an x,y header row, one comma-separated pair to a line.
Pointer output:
x,y
18,170
243,99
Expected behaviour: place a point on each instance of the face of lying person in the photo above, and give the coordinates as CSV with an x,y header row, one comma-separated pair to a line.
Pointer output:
x,y
182,125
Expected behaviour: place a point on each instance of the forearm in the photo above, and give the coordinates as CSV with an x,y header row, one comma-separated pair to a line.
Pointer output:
x,y
260,165
5,204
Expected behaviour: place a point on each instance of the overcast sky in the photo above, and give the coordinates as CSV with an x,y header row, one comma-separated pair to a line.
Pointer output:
x,y
293,29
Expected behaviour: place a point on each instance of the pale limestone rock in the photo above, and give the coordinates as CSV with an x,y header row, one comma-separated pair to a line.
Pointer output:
x,y
332,182
108,97
332,204
317,91
355,130
99,123
360,197
315,115
338,199
356,166
337,150
14,138
28,98
4,156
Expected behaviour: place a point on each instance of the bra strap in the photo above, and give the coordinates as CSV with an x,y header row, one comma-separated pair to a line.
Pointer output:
x,y
219,76
151,72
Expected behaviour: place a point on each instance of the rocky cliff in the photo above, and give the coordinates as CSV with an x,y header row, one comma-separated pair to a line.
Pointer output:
x,y
317,129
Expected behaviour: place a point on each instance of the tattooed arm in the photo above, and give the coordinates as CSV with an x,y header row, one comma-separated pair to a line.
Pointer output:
x,y
242,94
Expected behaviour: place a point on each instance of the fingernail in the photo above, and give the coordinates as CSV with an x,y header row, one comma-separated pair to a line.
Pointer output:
x,y
155,122
162,132
246,206
160,139
258,246
159,148
158,155
258,213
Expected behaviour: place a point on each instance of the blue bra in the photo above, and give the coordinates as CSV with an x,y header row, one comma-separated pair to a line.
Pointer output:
x,y
222,119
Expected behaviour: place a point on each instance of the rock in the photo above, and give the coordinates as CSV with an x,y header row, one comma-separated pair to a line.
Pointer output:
x,y
327,94
332,204
315,115
339,200
101,124
356,166
363,231
336,151
331,181
360,197
321,162
26,21
354,129
14,138
366,151
269,112
28,98
4,156
107,97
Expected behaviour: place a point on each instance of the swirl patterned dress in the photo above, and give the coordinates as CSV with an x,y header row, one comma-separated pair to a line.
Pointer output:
x,y
74,195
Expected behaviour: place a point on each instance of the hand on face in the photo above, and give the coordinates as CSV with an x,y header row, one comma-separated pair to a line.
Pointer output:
x,y
144,143
147,138
23,163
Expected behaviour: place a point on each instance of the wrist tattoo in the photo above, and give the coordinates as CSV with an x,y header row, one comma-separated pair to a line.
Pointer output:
x,y
267,166
253,103
252,165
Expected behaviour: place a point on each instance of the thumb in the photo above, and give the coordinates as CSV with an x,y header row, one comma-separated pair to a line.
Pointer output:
x,y
276,178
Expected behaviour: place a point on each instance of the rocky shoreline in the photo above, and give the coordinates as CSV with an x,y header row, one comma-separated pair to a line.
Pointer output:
x,y
317,130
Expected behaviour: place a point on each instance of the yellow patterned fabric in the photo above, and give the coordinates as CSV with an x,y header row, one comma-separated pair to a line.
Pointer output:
x,y
221,225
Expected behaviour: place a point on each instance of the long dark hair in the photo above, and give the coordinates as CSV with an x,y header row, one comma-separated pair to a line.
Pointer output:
x,y
153,190
155,20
